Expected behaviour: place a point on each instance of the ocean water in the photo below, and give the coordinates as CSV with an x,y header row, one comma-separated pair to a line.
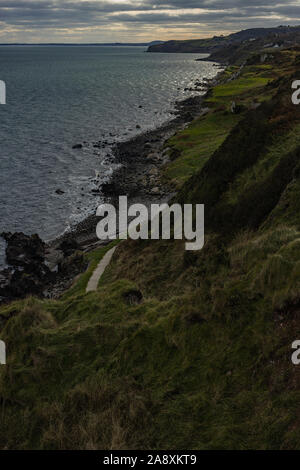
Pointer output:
x,y
59,96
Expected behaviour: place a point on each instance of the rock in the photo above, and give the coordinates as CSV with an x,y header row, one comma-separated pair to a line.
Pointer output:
x,y
109,189
254,105
73,265
77,146
35,267
53,259
236,108
154,157
28,272
188,117
174,153
155,191
138,126
23,250
23,284
68,246
5,281
59,192
263,58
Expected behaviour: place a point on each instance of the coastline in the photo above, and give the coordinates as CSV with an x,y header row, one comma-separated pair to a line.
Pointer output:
x,y
141,159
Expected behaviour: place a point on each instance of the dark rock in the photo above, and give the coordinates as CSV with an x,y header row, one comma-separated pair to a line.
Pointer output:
x,y
77,146
5,281
68,246
23,284
73,265
59,192
24,250
109,189
237,108
53,258
28,272
174,153
188,117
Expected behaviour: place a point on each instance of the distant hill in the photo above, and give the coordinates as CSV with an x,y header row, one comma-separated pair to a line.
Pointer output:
x,y
156,43
153,43
212,45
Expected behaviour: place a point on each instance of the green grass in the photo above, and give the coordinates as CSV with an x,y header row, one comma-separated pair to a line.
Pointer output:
x,y
204,360
281,145
228,91
196,144
94,259
93,372
204,136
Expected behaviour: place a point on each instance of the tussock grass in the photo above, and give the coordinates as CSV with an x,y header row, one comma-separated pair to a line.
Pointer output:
x,y
203,360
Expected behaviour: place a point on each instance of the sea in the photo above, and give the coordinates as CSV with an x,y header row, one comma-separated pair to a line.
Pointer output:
x,y
61,96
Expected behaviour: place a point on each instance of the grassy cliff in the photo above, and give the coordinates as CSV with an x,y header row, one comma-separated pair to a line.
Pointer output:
x,y
233,47
204,360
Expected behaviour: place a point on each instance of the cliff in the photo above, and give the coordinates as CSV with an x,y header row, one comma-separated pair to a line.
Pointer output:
x,y
201,357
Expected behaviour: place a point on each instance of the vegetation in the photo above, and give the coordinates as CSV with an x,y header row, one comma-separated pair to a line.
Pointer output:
x,y
234,47
181,349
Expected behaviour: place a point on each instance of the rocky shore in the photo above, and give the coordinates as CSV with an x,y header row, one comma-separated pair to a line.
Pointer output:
x,y
46,270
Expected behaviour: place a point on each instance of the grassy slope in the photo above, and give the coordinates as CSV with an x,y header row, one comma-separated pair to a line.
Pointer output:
x,y
204,361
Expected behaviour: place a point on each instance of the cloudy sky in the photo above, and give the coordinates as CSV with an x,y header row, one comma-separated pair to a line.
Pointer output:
x,y
136,20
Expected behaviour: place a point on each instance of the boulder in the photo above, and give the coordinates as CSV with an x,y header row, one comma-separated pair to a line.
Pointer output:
x,y
109,189
28,272
155,191
24,250
153,157
68,246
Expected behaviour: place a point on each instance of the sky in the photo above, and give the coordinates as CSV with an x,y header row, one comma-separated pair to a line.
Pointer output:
x,y
84,21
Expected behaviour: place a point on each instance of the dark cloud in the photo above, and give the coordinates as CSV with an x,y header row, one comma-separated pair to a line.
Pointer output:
x,y
211,15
